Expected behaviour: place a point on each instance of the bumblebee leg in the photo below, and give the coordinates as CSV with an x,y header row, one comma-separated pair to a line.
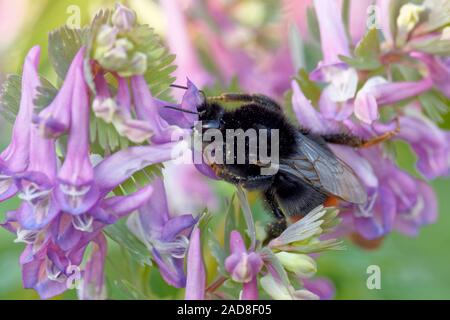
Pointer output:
x,y
357,142
275,228
243,97
386,136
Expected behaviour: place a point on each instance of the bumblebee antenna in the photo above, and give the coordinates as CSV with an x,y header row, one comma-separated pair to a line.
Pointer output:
x,y
185,88
178,86
181,110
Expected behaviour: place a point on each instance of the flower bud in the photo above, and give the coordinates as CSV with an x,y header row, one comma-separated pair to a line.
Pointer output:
x,y
300,264
409,16
138,65
279,291
114,59
106,36
124,18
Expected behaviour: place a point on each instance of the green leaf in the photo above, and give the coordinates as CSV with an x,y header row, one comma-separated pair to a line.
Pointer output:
x,y
218,252
313,24
46,92
296,47
10,97
435,105
123,237
309,88
129,290
366,55
242,196
230,223
10,94
63,45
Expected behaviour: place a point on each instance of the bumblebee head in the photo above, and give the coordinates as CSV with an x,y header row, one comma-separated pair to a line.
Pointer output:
x,y
209,112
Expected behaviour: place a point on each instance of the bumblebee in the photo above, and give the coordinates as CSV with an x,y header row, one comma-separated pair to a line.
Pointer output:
x,y
308,171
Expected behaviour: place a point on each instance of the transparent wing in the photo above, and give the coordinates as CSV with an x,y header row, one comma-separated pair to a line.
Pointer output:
x,y
320,168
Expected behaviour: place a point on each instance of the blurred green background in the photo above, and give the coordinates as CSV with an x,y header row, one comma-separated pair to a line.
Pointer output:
x,y
411,268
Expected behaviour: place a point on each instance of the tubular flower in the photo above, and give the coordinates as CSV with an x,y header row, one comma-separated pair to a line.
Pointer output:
x,y
166,237
76,190
55,120
196,274
15,158
378,92
342,78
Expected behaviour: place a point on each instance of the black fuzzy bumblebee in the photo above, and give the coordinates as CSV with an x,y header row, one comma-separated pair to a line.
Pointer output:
x,y
308,172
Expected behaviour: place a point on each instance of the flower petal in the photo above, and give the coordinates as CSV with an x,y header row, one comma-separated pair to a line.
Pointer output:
x,y
196,275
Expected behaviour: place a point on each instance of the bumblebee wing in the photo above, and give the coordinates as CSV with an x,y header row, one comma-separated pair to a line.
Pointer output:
x,y
320,168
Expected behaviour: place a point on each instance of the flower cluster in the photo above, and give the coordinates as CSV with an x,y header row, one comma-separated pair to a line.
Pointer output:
x,y
384,72
91,158
66,190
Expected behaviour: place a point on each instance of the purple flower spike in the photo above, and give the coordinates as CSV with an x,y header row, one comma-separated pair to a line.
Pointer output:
x,y
166,237
77,191
55,119
15,158
243,266
196,274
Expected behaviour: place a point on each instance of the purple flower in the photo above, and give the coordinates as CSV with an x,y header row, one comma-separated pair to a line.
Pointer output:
x,y
147,109
118,111
395,198
196,274
165,236
47,270
343,79
322,287
15,158
77,191
191,187
36,185
438,70
307,115
377,92
430,143
93,282
243,266
192,98
55,120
